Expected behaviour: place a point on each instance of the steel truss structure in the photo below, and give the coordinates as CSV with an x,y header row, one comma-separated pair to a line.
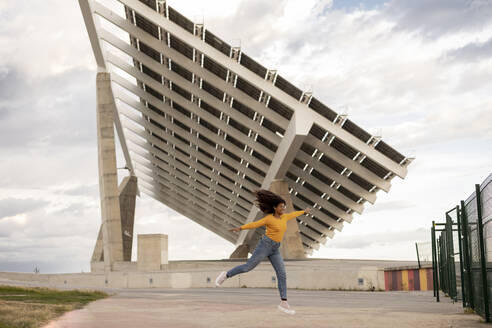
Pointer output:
x,y
202,125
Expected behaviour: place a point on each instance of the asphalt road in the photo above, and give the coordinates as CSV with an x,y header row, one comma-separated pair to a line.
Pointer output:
x,y
248,307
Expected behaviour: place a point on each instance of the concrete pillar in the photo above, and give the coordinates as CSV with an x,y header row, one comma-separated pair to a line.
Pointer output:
x,y
108,179
127,196
241,252
98,253
291,247
152,252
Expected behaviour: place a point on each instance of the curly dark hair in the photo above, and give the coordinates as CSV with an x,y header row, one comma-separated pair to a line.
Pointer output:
x,y
267,200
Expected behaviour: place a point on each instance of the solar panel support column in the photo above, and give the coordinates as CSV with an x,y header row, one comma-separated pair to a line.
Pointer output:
x,y
127,196
98,253
241,252
108,178
127,192
291,247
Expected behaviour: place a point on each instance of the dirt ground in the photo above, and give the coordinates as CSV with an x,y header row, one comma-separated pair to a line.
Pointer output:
x,y
225,307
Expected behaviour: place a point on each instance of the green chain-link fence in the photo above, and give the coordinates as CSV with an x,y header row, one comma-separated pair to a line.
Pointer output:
x,y
462,265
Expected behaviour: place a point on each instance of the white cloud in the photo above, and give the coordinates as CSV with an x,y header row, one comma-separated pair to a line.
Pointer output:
x,y
40,44
473,51
13,207
435,18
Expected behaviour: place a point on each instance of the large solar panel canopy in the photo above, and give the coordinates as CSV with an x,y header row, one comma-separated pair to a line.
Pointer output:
x,y
202,125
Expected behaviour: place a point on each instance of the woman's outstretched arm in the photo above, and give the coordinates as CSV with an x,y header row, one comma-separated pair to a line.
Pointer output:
x,y
252,225
295,214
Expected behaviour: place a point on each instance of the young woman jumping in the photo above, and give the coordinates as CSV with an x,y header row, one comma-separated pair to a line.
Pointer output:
x,y
276,224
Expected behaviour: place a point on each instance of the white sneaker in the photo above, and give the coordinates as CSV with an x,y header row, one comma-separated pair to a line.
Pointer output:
x,y
284,307
221,278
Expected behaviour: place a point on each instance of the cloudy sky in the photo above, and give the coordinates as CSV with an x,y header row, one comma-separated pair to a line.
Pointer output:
x,y
415,71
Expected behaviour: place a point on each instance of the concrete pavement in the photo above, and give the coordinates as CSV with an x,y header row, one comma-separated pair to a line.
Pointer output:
x,y
251,307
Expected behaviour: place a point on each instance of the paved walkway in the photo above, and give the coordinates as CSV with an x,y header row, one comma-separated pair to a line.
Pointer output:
x,y
247,307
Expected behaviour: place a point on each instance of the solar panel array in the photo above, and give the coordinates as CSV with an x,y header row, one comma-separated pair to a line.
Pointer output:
x,y
203,137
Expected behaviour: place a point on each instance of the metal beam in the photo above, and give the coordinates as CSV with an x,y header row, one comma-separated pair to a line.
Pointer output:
x,y
224,158
323,187
165,108
172,168
197,177
86,6
161,174
214,176
189,86
319,215
265,85
317,199
148,178
199,166
349,163
337,177
195,68
191,106
365,149
121,137
160,144
317,237
307,241
184,210
204,204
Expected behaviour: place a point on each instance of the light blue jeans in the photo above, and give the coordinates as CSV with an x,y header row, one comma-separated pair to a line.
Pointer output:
x,y
266,247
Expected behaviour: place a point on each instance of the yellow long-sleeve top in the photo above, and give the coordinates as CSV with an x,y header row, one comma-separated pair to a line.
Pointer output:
x,y
275,227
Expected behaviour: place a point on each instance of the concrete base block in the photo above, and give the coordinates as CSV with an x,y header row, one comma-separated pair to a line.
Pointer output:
x,y
125,266
152,252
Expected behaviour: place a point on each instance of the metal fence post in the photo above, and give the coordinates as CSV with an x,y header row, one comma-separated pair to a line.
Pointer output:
x,y
439,269
458,217
448,244
444,263
483,262
434,261
466,252
450,264
418,258
438,264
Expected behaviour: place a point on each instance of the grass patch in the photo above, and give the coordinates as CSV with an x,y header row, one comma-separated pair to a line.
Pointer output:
x,y
34,307
49,296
